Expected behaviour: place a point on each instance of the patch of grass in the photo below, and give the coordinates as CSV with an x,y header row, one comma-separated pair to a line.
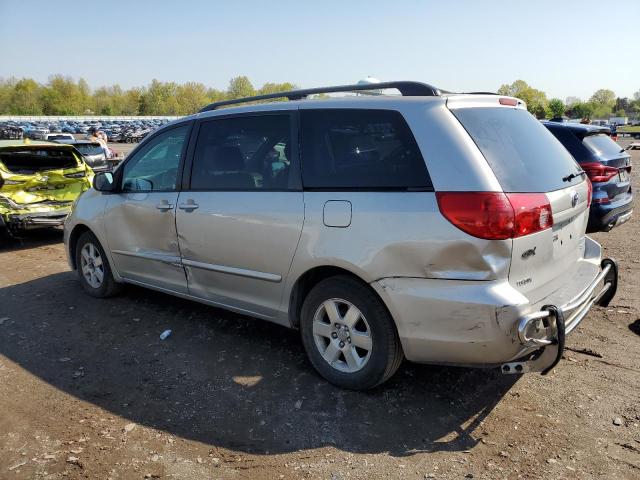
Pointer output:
x,y
635,129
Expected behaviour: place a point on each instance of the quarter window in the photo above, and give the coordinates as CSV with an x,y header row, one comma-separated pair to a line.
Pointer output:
x,y
243,153
360,149
155,166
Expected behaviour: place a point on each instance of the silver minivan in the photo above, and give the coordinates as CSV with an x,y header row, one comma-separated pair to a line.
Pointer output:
x,y
441,228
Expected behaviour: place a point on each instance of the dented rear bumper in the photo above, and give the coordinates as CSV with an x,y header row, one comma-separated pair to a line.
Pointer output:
x,y
490,323
16,217
27,221
547,329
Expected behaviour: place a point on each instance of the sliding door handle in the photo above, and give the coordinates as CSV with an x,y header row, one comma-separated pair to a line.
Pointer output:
x,y
189,205
164,206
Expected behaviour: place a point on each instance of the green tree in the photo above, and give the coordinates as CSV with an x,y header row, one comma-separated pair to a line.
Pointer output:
x,y
622,105
268,88
63,96
191,97
240,87
536,100
603,97
25,98
6,89
159,99
556,107
214,95
582,110
131,101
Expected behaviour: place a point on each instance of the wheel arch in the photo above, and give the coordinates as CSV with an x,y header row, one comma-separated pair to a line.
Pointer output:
x,y
311,278
74,236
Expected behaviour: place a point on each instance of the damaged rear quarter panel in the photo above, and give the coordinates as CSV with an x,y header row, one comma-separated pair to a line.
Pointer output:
x,y
396,234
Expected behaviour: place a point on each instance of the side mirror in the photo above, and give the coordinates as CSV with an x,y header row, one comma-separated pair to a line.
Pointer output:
x,y
103,182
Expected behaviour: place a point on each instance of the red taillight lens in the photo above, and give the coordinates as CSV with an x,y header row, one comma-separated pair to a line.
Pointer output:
x,y
496,215
589,192
599,173
532,212
512,102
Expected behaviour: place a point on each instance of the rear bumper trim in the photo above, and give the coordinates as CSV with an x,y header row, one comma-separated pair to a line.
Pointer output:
x,y
548,327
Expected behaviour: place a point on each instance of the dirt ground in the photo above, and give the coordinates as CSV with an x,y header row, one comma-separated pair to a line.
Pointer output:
x,y
88,390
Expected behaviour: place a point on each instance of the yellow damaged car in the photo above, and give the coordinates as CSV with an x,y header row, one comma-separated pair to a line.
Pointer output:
x,y
39,181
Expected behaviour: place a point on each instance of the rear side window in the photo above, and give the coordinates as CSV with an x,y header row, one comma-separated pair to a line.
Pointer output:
x,y
603,146
571,143
523,154
360,149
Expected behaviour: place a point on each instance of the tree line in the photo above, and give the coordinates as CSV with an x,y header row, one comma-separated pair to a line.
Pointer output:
x,y
62,95
602,104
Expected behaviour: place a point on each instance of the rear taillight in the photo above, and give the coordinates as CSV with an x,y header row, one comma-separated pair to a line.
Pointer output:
x,y
496,215
589,192
532,212
598,172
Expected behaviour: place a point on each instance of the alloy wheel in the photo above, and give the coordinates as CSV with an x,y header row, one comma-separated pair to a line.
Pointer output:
x,y
342,335
92,265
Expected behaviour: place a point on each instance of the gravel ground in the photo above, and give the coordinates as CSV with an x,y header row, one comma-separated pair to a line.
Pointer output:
x,y
88,390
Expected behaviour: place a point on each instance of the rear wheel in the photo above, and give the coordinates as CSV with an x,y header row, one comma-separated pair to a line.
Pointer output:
x,y
93,268
349,335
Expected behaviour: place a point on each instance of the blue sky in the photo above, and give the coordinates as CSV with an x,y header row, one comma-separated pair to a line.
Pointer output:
x,y
567,47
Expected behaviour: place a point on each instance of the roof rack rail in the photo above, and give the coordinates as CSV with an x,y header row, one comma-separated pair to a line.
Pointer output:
x,y
406,88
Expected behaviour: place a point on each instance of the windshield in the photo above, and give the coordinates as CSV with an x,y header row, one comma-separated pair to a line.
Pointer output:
x,y
523,154
602,145
90,149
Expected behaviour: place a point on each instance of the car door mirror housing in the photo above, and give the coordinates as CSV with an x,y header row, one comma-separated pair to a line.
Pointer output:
x,y
104,182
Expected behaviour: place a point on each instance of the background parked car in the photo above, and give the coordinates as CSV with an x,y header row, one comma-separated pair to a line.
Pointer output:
x,y
39,181
608,167
92,153
52,137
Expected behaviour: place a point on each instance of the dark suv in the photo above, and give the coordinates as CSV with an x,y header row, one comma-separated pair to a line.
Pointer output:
x,y
608,167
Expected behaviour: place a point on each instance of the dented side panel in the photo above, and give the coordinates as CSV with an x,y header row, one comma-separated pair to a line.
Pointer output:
x,y
396,234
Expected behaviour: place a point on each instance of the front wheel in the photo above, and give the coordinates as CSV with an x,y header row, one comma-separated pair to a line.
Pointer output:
x,y
93,268
348,334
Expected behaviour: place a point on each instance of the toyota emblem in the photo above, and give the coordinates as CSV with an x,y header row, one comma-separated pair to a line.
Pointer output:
x,y
574,199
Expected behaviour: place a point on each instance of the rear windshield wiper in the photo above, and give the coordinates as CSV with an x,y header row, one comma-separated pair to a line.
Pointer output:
x,y
571,176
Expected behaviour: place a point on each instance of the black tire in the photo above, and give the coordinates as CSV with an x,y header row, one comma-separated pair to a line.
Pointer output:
x,y
108,287
386,352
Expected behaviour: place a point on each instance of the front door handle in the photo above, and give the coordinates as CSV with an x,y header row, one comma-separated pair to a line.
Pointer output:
x,y
189,205
164,205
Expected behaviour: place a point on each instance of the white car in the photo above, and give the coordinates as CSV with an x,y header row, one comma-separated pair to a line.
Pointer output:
x,y
57,137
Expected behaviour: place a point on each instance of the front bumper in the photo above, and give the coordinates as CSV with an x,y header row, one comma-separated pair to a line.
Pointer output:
x,y
548,327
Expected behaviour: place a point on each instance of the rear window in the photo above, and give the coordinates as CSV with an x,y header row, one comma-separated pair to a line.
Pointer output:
x,y
59,137
523,154
90,149
360,149
602,145
31,160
